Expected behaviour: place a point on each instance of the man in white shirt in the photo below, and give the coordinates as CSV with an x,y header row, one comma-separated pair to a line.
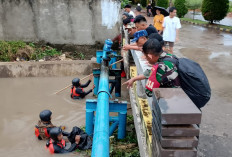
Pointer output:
x,y
128,9
171,27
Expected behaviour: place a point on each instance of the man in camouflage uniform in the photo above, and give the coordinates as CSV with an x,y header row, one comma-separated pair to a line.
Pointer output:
x,y
164,74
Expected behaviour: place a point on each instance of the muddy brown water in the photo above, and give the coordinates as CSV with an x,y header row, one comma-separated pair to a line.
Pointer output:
x,y
22,99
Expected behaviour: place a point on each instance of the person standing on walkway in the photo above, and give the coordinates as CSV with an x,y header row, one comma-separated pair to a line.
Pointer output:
x,y
171,28
149,7
158,21
138,8
128,9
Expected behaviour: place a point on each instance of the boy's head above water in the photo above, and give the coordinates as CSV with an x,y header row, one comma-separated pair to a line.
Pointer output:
x,y
45,115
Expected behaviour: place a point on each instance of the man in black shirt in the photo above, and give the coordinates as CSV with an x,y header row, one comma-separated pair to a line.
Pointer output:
x,y
149,7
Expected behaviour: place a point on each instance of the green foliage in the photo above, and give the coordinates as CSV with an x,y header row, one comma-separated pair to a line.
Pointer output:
x,y
163,3
9,49
81,56
143,3
193,4
131,138
214,10
124,3
181,8
40,53
32,45
230,7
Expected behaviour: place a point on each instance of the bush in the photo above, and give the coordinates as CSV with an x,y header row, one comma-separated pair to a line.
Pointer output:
x,y
124,3
143,3
9,49
162,3
214,10
181,8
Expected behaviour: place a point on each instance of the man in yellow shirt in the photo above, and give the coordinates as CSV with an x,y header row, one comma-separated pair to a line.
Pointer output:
x,y
158,21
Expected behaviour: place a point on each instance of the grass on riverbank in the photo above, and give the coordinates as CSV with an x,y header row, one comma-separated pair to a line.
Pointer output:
x,y
205,22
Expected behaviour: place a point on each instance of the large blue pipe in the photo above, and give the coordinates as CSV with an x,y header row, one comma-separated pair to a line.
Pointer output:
x,y
101,126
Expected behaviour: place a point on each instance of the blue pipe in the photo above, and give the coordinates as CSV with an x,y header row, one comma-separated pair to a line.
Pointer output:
x,y
113,127
107,48
101,126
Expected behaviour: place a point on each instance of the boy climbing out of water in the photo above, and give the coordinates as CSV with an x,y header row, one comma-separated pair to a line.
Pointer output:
x,y
44,125
77,91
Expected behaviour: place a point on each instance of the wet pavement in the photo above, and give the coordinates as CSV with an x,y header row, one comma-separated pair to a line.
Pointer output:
x,y
213,51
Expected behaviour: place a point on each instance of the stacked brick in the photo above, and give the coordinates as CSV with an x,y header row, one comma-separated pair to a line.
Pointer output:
x,y
175,121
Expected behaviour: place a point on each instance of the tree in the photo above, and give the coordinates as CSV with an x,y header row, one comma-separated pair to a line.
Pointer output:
x,y
143,3
214,10
162,3
124,3
181,8
193,5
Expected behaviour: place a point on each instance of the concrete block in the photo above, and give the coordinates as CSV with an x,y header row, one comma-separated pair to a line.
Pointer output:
x,y
180,130
178,152
175,107
179,142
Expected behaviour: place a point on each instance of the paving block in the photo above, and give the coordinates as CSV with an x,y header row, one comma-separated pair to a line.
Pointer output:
x,y
175,107
179,142
178,152
180,130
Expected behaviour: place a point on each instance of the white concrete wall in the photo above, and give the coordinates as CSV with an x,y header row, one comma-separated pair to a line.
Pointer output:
x,y
81,22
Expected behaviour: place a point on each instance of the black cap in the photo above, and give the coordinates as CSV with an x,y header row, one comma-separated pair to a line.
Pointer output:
x,y
76,82
54,132
45,115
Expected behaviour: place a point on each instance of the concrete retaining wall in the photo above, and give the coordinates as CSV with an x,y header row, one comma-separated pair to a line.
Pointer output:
x,y
46,69
81,22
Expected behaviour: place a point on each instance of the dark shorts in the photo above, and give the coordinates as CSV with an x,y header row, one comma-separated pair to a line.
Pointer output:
x,y
168,43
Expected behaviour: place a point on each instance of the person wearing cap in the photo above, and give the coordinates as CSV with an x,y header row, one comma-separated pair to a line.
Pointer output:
x,y
127,8
138,8
131,28
164,74
44,125
140,38
77,91
158,21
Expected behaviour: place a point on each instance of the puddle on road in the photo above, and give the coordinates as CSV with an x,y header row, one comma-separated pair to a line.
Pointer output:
x,y
227,40
219,54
